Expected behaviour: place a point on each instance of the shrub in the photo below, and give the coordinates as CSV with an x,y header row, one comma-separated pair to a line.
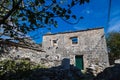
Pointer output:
x,y
17,69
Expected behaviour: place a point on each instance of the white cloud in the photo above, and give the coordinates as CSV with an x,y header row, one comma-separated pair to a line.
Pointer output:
x,y
115,13
114,24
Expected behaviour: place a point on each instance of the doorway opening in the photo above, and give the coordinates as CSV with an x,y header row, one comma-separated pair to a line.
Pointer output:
x,y
79,62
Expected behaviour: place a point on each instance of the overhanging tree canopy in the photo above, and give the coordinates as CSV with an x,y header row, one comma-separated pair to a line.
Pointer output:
x,y
18,17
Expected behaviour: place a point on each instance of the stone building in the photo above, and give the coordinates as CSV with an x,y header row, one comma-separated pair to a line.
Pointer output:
x,y
85,48
26,50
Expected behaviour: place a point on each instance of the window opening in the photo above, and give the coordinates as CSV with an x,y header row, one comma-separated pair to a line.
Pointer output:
x,y
74,40
54,42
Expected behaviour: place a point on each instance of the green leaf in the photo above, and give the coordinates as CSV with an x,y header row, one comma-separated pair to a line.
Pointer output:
x,y
69,11
81,2
56,25
54,9
49,28
73,16
67,16
36,2
87,1
46,20
73,3
58,12
54,1
24,19
21,15
42,1
81,17
51,15
11,34
68,5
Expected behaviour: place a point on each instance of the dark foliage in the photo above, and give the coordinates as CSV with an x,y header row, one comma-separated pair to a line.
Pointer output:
x,y
18,17
26,70
110,73
113,43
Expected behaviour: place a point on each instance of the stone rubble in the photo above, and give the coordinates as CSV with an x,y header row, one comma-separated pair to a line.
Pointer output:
x,y
57,73
110,73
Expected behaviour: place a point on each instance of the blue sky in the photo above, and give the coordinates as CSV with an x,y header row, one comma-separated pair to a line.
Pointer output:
x,y
95,15
115,16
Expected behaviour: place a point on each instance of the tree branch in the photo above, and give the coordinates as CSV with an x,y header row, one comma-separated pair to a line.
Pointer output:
x,y
13,5
4,7
71,22
10,12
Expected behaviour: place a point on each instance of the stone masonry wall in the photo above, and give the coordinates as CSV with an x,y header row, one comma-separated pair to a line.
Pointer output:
x,y
34,56
91,44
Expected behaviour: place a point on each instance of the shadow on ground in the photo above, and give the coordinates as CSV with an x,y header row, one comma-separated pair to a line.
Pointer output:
x,y
54,73
23,71
110,73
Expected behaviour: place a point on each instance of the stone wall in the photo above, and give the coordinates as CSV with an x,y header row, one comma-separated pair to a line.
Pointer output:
x,y
117,61
34,56
33,52
91,44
